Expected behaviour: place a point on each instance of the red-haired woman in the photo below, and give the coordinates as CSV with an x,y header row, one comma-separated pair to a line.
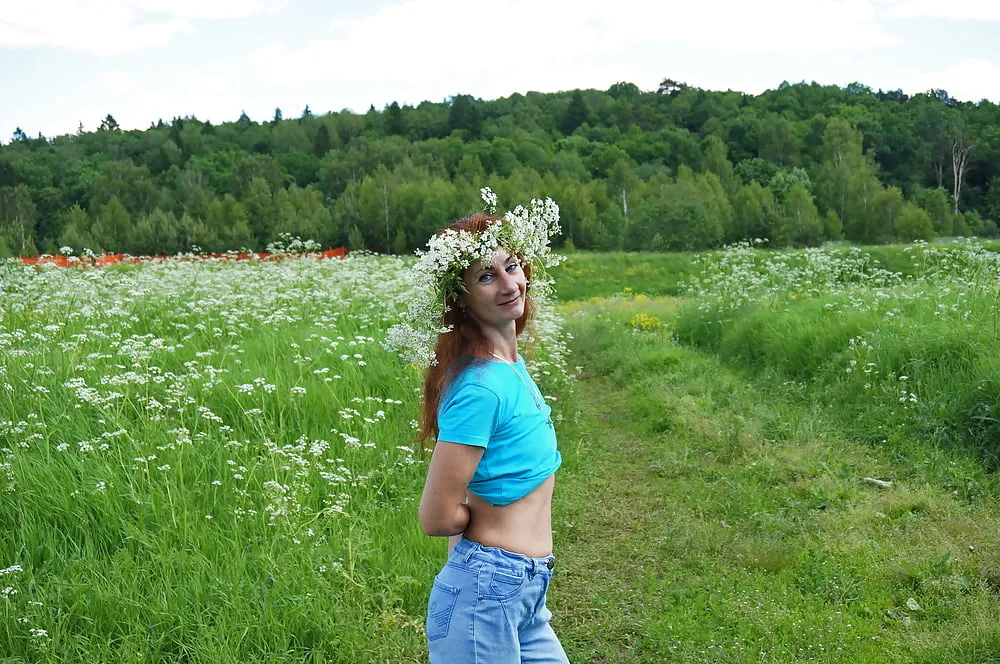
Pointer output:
x,y
489,484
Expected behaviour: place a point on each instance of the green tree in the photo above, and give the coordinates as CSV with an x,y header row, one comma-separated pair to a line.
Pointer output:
x,y
785,178
913,223
249,167
680,217
355,240
399,244
993,198
777,141
261,213
302,167
576,114
622,179
801,221
756,170
227,220
394,120
887,208
936,204
76,231
17,219
756,214
111,228
155,233
335,173
470,169
714,160
301,212
832,227
289,137
197,236
464,115
861,224
109,124
322,143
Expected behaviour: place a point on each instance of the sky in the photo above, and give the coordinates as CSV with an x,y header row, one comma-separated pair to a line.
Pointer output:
x,y
72,62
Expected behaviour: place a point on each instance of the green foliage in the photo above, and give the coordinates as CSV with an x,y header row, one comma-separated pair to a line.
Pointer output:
x,y
464,116
112,226
355,241
756,214
905,351
914,223
940,209
17,219
687,215
394,120
756,170
76,231
576,115
800,223
860,154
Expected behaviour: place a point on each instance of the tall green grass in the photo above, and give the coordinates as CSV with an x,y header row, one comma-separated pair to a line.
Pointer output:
x,y
714,512
605,274
211,462
914,351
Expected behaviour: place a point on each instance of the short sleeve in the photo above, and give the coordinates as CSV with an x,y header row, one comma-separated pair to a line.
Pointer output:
x,y
468,415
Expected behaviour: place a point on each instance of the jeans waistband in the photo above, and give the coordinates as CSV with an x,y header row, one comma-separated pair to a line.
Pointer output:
x,y
466,549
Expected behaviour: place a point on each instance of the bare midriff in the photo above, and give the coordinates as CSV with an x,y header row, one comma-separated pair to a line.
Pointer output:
x,y
524,526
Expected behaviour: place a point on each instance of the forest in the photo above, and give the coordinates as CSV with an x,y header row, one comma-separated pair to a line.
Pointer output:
x,y
678,168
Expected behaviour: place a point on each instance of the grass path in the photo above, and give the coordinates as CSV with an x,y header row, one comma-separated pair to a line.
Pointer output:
x,y
701,517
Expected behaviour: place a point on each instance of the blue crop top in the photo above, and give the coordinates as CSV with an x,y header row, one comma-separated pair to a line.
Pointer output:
x,y
488,405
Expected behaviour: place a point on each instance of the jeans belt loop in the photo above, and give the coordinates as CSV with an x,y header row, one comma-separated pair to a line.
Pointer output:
x,y
473,547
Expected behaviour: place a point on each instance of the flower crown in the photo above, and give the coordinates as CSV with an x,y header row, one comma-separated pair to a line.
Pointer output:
x,y
522,231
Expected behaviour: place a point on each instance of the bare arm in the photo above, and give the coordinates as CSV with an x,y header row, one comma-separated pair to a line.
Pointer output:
x,y
444,508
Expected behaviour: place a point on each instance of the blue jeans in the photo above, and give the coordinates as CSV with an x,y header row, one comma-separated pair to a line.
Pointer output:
x,y
487,606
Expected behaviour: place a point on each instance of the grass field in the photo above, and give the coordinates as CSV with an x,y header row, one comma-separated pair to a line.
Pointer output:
x,y
215,462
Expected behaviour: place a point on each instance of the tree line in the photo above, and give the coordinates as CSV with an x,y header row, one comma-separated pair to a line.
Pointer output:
x,y
676,168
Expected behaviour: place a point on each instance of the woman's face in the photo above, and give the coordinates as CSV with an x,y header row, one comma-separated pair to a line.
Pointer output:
x,y
494,292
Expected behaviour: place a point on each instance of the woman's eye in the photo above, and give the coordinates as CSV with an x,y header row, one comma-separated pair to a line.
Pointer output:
x,y
513,267
483,278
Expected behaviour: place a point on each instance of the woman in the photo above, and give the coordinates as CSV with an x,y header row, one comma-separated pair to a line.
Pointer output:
x,y
491,475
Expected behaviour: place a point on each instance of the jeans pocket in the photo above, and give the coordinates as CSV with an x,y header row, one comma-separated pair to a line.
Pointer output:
x,y
440,608
503,584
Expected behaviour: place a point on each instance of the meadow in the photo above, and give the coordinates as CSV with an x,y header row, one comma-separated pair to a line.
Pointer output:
x,y
769,456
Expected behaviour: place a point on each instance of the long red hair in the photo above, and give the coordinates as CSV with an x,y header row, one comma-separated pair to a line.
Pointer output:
x,y
465,343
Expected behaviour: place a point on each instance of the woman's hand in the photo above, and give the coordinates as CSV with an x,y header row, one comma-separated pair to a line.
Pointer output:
x,y
444,505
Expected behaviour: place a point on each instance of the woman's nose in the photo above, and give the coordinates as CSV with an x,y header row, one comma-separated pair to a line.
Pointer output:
x,y
508,283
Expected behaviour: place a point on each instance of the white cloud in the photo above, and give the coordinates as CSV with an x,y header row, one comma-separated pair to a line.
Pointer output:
x,y
212,9
115,80
120,27
787,27
973,79
959,10
209,95
507,45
